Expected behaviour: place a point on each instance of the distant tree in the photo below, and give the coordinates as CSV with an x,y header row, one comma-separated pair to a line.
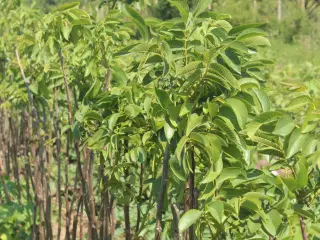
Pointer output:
x,y
310,6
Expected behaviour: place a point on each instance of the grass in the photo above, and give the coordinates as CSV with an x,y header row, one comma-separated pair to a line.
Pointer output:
x,y
295,53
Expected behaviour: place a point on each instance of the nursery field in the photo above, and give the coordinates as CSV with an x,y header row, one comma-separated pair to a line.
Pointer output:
x,y
182,120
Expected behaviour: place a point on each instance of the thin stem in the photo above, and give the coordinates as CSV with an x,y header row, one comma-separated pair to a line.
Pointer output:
x,y
139,197
192,191
106,213
108,80
14,157
66,190
90,188
6,192
58,148
126,210
303,229
93,234
38,164
75,220
176,218
163,189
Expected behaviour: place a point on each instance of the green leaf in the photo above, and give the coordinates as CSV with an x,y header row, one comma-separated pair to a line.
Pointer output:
x,y
225,73
94,90
142,154
257,41
67,6
192,66
213,108
298,102
79,16
232,61
240,110
284,126
180,146
201,6
238,46
216,209
311,120
263,118
193,121
302,175
185,109
229,173
163,98
268,143
80,21
272,221
188,219
177,169
138,21
244,27
252,32
315,229
76,131
182,7
247,83
223,24
207,192
132,110
296,142
210,176
217,79
66,29
303,210
113,120
224,127
119,74
34,87
263,99
146,137
211,149
93,115
168,131
256,196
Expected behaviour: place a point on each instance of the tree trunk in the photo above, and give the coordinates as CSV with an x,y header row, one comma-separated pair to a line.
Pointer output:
x,y
279,11
303,5
255,9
